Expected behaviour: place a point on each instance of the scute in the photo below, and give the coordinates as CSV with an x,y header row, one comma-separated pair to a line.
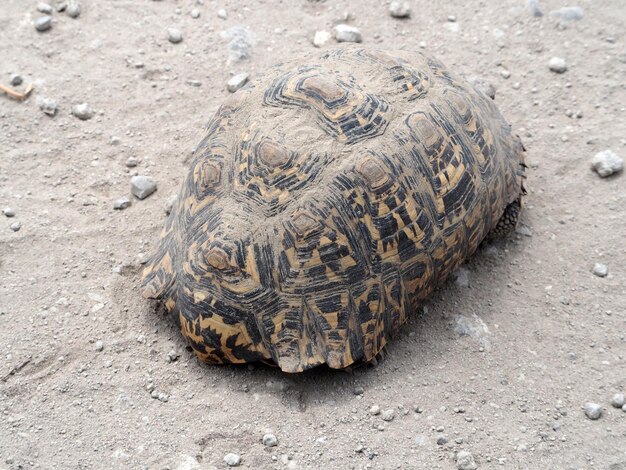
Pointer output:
x,y
326,201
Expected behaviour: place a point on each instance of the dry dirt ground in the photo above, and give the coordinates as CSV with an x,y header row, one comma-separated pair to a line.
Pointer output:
x,y
501,368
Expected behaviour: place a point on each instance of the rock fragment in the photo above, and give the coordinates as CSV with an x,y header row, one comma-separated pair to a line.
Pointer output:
x,y
592,410
618,400
73,9
142,186
174,35
321,38
400,9
557,65
347,33
236,82
600,270
269,440
121,203
47,105
465,460
232,460
8,212
82,111
43,23
606,163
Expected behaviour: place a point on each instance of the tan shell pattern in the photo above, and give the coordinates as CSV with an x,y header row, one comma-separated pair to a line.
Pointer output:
x,y
325,202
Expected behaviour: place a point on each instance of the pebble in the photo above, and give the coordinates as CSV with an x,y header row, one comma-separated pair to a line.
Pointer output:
x,y
232,460
557,65
115,140
172,356
569,13
99,346
388,415
163,397
400,9
15,226
535,8
375,410
121,203
142,186
269,440
174,35
8,212
43,23
618,400
82,111
221,13
132,162
321,38
195,14
358,390
592,410
465,461
442,440
169,204
16,80
347,33
606,163
236,82
73,10
44,8
505,74
600,270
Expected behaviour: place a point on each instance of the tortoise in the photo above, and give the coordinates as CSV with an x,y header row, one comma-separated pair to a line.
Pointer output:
x,y
326,200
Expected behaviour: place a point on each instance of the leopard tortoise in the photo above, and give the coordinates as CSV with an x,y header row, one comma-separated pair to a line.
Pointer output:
x,y
326,200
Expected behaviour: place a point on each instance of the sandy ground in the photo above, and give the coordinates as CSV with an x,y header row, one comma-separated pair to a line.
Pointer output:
x,y
501,368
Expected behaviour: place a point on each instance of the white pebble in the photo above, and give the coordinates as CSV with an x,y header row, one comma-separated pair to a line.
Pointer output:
x,y
557,65
400,9
600,270
321,38
606,163
232,460
592,410
174,35
221,13
269,440
82,111
347,33
236,82
618,400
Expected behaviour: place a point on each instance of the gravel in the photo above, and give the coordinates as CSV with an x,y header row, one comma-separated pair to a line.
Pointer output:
x,y
237,81
347,33
442,440
592,410
8,212
43,23
465,461
375,410
142,186
44,8
618,400
132,162
321,38
557,65
73,10
232,460
16,80
606,163
82,111
195,14
600,270
573,13
400,9
99,346
174,35
269,440
48,106
388,415
15,226
121,203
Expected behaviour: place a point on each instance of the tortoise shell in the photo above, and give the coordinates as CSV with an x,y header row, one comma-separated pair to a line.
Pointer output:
x,y
327,199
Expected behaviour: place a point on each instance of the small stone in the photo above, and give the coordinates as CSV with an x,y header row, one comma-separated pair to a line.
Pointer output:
x,y
358,390
121,203
15,226
174,35
557,65
169,204
465,461
505,74
606,163
172,356
618,400
400,9
535,8
8,212
115,140
82,111
347,33
44,8
43,23
195,14
221,14
99,346
73,9
232,460
600,270
236,82
569,13
388,415
16,80
452,18
142,186
592,410
269,440
375,410
132,162
163,397
196,83
321,38
442,440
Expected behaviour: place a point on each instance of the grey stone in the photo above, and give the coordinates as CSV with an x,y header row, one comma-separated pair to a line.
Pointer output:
x,y
465,461
47,105
606,163
142,186
269,440
16,226
115,140
347,33
236,82
44,8
400,9
43,23
358,390
99,346
557,65
232,460
592,410
321,38
535,8
618,400
174,35
16,80
82,111
388,415
132,162
442,440
73,9
8,212
121,203
172,356
569,13
375,410
600,270
163,397
169,204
